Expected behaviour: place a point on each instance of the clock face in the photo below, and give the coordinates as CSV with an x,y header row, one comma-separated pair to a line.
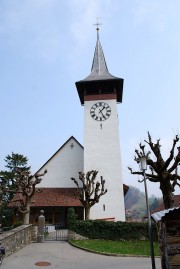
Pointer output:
x,y
100,111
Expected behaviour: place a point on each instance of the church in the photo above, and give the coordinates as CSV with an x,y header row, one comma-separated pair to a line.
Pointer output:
x,y
99,93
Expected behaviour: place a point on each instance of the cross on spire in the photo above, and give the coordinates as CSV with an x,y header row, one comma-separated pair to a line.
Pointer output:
x,y
97,25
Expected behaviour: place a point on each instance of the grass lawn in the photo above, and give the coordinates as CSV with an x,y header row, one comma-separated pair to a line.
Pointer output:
x,y
118,247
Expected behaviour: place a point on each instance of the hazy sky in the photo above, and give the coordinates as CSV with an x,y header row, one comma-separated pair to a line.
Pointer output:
x,y
48,45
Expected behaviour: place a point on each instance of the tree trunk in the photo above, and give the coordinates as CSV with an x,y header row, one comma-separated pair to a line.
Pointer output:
x,y
26,218
168,197
87,213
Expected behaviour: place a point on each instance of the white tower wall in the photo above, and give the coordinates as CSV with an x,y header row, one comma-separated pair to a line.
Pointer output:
x,y
102,153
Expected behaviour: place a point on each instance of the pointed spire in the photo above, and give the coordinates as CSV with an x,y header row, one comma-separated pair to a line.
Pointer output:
x,y
99,63
99,68
100,81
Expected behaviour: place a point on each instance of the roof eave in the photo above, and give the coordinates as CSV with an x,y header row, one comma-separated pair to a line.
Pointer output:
x,y
117,82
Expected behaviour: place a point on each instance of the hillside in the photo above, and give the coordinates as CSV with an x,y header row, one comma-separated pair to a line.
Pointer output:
x,y
135,203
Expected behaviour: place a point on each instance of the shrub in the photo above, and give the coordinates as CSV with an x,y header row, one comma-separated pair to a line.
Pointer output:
x,y
71,218
96,229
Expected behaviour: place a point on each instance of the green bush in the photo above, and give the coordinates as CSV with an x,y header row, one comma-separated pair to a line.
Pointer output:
x,y
71,218
6,216
116,231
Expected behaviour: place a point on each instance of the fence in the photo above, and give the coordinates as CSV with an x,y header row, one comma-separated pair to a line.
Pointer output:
x,y
55,233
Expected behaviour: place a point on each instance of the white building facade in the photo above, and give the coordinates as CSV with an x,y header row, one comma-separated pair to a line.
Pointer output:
x,y
67,162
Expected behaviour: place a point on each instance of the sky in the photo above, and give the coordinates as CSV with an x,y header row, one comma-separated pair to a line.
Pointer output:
x,y
48,45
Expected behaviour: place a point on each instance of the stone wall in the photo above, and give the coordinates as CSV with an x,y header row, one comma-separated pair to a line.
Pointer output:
x,y
74,236
18,238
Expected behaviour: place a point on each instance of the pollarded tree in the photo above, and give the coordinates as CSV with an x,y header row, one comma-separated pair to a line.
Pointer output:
x,y
25,188
91,191
161,170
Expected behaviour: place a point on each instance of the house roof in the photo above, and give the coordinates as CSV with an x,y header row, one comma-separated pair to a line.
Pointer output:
x,y
52,197
125,188
176,204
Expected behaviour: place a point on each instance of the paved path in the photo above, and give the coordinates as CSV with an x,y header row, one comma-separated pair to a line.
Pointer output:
x,y
61,255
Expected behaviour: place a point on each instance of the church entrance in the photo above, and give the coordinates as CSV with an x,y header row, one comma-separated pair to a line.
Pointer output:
x,y
54,216
55,232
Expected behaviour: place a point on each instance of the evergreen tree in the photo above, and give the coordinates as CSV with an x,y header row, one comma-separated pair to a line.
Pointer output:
x,y
155,203
14,162
18,185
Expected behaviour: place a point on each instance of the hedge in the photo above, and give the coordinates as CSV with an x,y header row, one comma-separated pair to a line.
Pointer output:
x,y
98,229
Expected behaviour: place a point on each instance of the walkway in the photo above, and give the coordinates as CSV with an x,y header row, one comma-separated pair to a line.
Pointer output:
x,y
61,255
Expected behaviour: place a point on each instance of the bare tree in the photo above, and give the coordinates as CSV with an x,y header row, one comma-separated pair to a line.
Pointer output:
x,y
162,171
91,190
25,188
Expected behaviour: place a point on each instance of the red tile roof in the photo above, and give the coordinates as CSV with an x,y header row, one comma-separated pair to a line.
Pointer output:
x,y
53,197
176,204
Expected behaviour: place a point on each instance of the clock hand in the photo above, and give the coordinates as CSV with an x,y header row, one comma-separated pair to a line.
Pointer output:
x,y
100,110
102,114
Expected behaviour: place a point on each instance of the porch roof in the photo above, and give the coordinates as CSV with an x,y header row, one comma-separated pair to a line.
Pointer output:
x,y
52,197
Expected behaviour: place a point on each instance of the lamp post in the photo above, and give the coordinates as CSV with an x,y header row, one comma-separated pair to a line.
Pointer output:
x,y
143,167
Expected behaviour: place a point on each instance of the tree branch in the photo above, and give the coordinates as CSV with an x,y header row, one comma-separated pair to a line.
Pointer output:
x,y
155,148
171,156
91,191
176,162
151,177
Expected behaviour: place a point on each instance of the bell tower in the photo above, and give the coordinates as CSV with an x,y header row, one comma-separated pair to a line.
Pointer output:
x,y
99,93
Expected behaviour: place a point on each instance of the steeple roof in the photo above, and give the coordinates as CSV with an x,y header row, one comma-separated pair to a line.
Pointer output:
x,y
100,81
99,68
